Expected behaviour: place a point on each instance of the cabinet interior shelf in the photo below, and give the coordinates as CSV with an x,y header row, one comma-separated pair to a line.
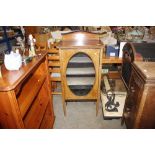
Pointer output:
x,y
80,71
80,81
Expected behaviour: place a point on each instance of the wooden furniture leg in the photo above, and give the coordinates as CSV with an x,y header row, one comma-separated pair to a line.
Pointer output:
x,y
97,106
64,107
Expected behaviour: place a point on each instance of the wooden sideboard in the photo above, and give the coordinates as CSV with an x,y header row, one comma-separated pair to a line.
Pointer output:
x,y
25,98
140,104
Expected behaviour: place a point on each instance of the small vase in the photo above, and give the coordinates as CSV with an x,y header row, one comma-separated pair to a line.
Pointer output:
x,y
12,61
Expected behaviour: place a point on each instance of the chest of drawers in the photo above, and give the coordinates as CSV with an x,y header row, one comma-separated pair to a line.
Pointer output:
x,y
25,100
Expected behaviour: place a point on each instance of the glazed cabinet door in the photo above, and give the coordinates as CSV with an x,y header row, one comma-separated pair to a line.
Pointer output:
x,y
80,73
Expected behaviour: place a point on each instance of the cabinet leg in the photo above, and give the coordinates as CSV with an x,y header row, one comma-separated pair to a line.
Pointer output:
x,y
64,107
97,106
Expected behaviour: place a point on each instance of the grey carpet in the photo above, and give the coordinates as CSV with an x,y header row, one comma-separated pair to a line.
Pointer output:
x,y
81,115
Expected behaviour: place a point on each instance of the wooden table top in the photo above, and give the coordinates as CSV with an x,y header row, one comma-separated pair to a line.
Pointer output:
x,y
10,79
146,69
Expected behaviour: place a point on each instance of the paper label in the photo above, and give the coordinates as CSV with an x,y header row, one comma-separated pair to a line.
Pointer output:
x,y
112,54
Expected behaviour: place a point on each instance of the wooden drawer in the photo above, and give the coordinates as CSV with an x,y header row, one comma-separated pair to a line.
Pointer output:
x,y
30,88
48,120
36,112
30,92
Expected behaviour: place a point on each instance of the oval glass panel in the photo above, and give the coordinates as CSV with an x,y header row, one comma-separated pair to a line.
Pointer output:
x,y
80,74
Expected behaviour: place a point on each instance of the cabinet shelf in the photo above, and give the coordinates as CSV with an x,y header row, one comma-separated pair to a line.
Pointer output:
x,y
80,81
80,71
81,59
54,64
55,58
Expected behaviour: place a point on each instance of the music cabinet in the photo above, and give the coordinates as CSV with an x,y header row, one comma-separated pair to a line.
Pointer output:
x,y
80,64
140,104
25,100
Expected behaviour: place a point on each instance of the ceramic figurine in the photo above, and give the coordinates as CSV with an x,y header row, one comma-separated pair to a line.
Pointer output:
x,y
32,46
21,43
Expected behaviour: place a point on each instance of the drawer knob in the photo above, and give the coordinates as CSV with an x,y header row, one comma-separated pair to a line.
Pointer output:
x,y
128,109
127,114
132,89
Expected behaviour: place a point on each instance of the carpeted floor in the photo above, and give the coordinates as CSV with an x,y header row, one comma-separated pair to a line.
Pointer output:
x,y
81,115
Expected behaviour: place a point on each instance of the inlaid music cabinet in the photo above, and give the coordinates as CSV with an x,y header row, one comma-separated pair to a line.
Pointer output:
x,y
81,63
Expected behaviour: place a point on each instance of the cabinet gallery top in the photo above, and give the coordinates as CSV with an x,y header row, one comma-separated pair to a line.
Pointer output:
x,y
81,39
